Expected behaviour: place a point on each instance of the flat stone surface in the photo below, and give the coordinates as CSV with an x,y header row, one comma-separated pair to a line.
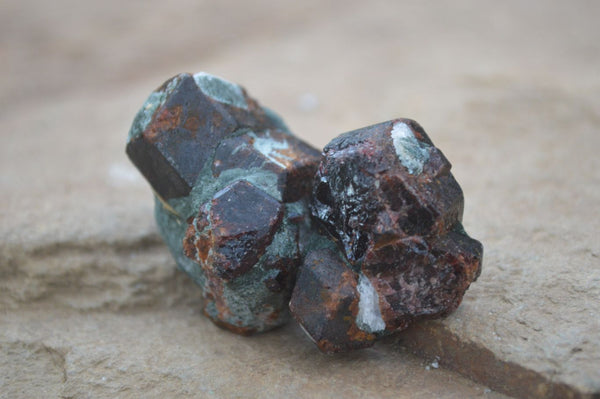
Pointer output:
x,y
176,352
510,93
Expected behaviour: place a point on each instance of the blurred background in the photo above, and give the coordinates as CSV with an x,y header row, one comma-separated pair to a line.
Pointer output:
x,y
497,85
327,66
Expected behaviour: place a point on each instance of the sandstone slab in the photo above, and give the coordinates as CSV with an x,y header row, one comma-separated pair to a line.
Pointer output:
x,y
147,354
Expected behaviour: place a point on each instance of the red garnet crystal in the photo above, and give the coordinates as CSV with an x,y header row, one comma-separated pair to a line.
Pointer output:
x,y
385,194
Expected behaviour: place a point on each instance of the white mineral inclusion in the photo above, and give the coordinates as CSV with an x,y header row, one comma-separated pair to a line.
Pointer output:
x,y
412,153
221,90
369,315
271,149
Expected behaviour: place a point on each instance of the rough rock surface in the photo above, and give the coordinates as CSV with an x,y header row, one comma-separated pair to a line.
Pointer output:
x,y
386,195
511,90
383,183
222,168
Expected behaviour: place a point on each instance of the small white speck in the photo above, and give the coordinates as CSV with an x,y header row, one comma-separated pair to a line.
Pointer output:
x,y
308,102
369,317
401,130
435,364
487,390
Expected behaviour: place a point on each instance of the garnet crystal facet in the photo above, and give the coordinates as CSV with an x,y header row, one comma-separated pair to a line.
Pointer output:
x,y
385,194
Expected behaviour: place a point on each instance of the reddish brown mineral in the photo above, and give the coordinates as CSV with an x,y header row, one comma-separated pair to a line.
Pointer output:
x,y
387,196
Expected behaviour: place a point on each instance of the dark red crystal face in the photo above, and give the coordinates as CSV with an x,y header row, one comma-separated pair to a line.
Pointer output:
x,y
387,196
183,131
382,183
231,234
325,302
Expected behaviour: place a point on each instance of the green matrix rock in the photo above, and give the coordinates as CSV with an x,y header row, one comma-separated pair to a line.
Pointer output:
x,y
231,186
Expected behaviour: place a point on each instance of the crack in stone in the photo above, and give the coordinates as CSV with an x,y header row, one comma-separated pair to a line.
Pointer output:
x,y
58,359
434,340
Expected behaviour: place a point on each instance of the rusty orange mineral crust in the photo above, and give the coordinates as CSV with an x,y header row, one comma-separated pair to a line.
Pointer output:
x,y
361,240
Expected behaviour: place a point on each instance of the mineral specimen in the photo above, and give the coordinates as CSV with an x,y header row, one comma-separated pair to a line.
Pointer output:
x,y
230,181
386,195
361,240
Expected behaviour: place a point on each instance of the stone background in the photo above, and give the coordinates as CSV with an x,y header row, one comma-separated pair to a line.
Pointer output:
x,y
90,302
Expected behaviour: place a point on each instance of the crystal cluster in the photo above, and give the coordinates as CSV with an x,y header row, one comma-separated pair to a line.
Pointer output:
x,y
361,240
231,184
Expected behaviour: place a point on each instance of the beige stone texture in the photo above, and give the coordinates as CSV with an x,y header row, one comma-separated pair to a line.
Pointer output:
x,y
90,302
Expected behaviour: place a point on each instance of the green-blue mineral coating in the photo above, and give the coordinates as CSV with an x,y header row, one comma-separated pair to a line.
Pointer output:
x,y
256,299
172,228
221,90
412,153
144,116
173,140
